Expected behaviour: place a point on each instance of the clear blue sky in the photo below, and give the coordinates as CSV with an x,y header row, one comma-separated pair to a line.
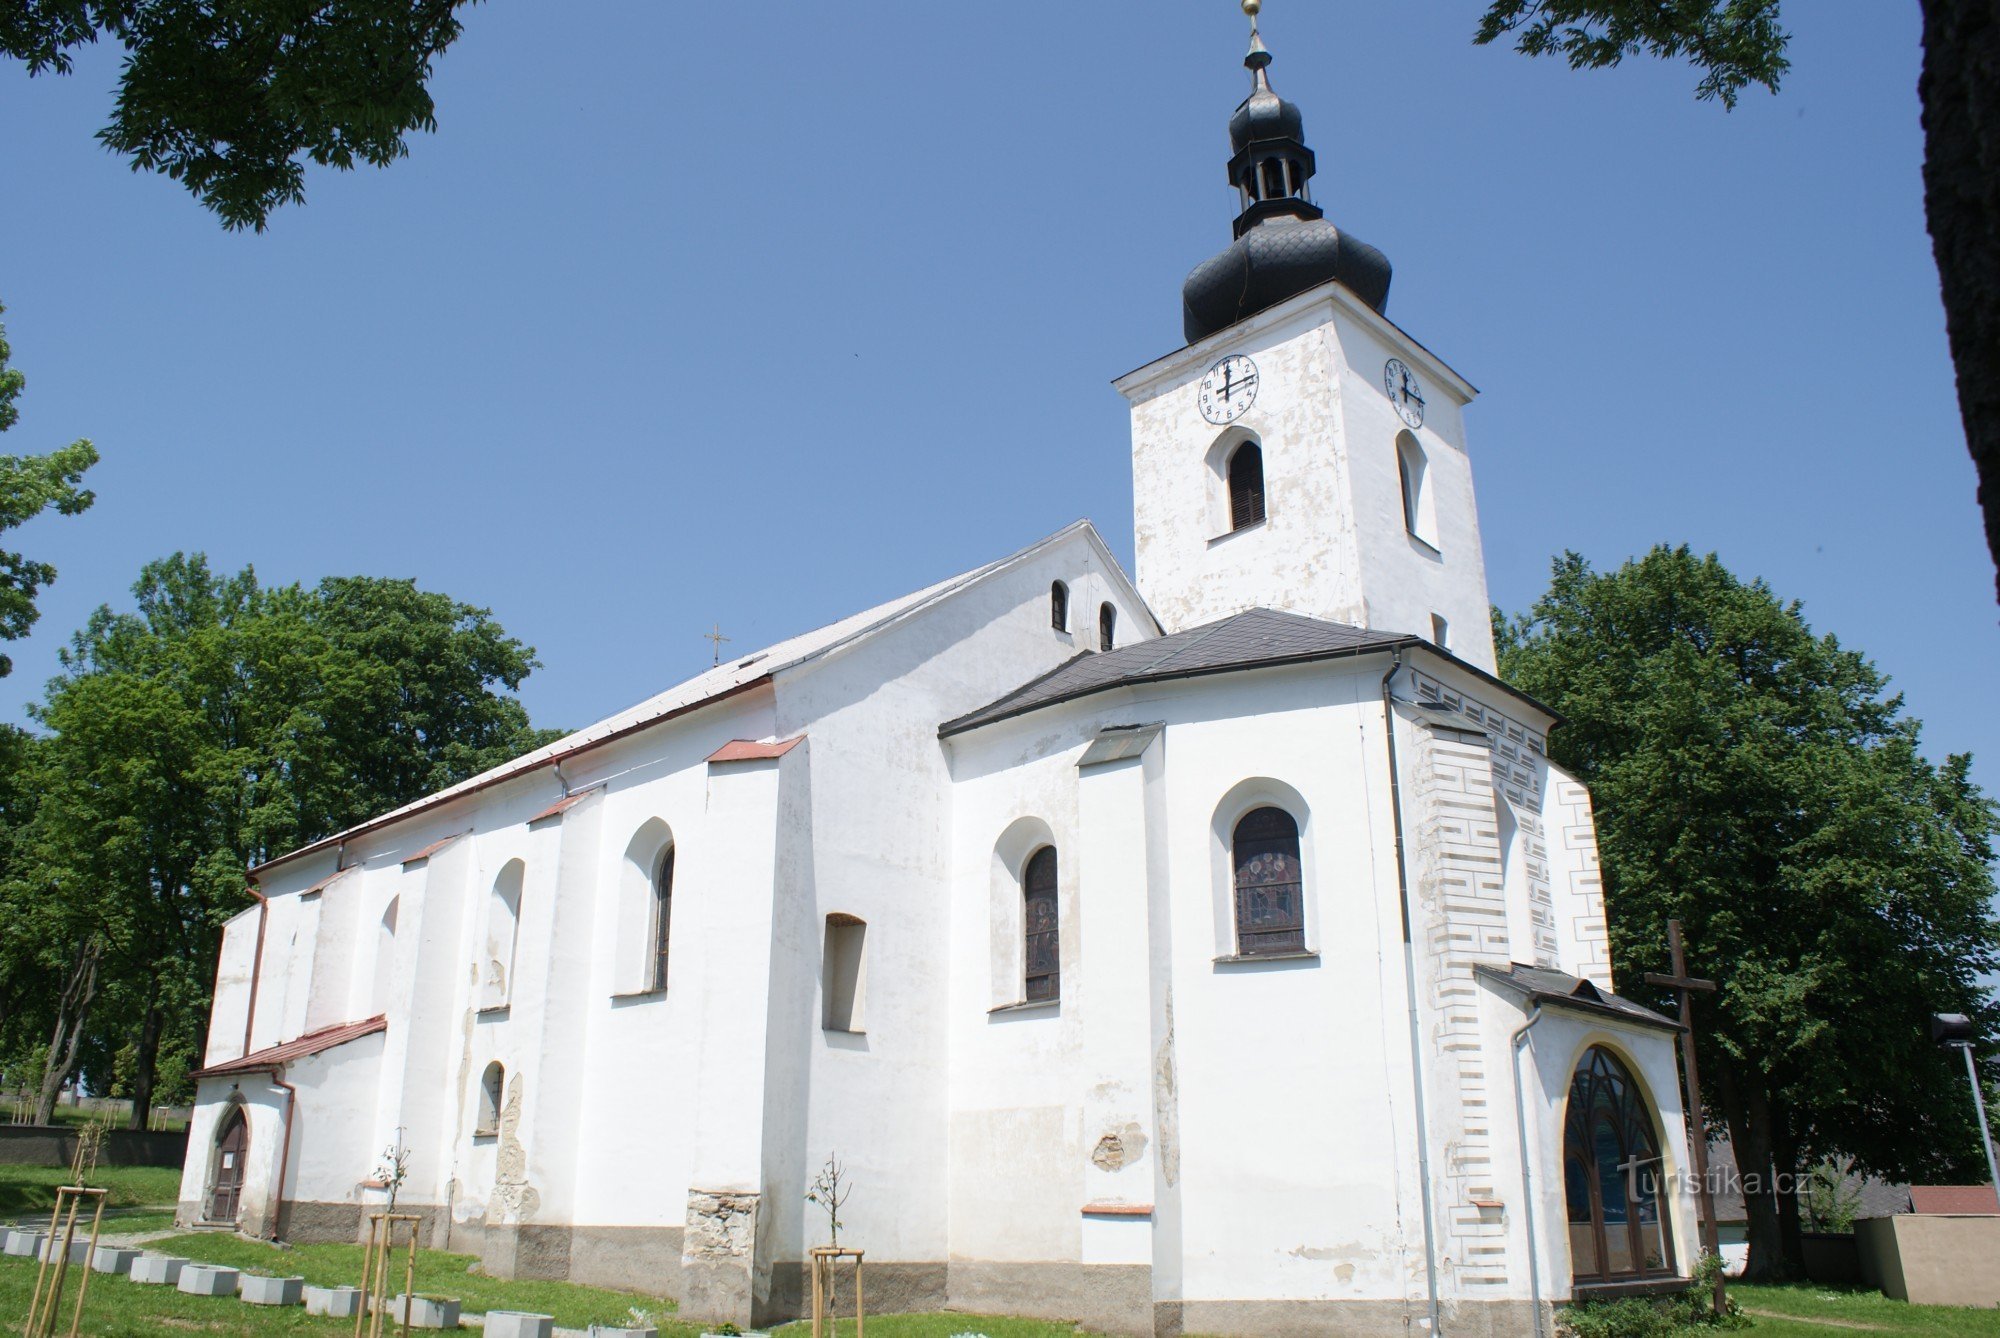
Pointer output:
x,y
762,313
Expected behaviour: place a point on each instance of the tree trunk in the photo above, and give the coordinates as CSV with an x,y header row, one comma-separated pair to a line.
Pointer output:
x,y
1960,93
1785,1152
71,1011
1750,1138
146,1067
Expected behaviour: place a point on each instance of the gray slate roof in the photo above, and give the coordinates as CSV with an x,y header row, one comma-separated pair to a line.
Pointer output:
x,y
1241,641
1567,991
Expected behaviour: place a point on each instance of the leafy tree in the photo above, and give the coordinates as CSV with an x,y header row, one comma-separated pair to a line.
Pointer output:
x,y
1760,784
216,725
30,485
231,97
1737,43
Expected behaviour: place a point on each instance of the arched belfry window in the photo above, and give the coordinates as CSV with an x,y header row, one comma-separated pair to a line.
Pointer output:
x,y
1107,627
1042,939
1613,1176
1059,606
1246,486
663,917
1419,505
1270,886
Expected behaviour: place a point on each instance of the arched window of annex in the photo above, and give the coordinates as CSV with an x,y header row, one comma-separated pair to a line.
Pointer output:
x,y
1059,606
1236,493
227,1160
1261,848
1614,1179
1107,626
1419,500
1041,933
503,929
492,1091
645,910
1024,900
385,957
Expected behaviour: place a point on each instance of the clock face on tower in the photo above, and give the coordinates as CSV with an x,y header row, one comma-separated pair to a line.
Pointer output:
x,y
1229,389
1404,392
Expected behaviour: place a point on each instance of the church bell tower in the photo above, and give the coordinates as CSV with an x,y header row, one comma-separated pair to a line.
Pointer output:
x,y
1302,452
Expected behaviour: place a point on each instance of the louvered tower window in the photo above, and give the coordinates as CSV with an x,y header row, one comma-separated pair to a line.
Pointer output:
x,y
1246,486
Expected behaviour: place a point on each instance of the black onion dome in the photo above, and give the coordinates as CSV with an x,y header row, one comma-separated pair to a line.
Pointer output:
x,y
1265,115
1277,259
1284,245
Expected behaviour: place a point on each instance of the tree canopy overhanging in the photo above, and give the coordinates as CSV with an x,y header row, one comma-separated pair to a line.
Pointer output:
x,y
1761,784
1737,43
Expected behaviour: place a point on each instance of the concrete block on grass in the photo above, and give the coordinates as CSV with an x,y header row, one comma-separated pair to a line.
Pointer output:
x,y
25,1244
158,1270
112,1259
518,1324
208,1280
260,1290
339,1302
426,1312
79,1249
624,1331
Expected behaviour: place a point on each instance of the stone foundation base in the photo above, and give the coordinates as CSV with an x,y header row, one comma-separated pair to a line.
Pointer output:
x,y
1109,1298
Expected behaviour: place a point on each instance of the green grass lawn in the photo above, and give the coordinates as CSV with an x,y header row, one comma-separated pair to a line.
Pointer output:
x,y
27,1193
1791,1312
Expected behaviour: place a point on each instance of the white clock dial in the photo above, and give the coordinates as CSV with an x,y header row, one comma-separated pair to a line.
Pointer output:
x,y
1229,389
1404,392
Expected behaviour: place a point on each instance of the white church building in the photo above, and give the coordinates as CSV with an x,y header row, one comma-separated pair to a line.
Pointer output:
x,y
1214,949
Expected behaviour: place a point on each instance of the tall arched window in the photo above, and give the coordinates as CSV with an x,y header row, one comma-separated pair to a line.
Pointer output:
x,y
1246,486
385,956
1612,1176
1059,606
492,1086
663,918
503,920
1107,627
1270,886
1042,939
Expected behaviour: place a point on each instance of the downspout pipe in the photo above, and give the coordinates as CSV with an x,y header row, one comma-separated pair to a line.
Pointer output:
x,y
1519,1040
1410,989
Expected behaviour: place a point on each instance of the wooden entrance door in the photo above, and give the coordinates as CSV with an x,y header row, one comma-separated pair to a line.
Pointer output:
x,y
230,1150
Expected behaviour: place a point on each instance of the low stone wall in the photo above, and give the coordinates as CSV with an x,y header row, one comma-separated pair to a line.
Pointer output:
x,y
1932,1259
55,1145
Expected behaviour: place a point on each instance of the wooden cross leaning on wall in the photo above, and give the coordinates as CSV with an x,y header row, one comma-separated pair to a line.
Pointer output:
x,y
1685,988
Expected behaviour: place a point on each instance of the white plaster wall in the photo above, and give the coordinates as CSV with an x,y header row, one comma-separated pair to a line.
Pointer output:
x,y
1287,1169
231,1006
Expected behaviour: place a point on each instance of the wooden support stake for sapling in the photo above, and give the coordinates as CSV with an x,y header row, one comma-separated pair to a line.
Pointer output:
x,y
53,1274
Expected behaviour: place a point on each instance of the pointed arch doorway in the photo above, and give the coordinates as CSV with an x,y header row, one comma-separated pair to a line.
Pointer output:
x,y
232,1147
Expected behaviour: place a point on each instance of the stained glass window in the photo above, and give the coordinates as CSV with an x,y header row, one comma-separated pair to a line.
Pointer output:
x,y
1270,900
1613,1177
1043,955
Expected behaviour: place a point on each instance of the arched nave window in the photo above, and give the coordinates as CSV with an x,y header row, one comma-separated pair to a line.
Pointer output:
x,y
1041,938
1059,606
502,931
1612,1176
1246,486
492,1083
1107,627
1270,887
663,916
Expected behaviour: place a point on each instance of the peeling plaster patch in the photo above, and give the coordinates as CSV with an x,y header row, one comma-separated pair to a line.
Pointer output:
x,y
719,1226
1167,1102
514,1199
1344,1273
1119,1148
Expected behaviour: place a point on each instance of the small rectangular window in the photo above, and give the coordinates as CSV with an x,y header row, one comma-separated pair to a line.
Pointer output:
x,y
1440,632
844,972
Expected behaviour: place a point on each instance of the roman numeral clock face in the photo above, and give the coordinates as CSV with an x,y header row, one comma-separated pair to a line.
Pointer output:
x,y
1229,389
